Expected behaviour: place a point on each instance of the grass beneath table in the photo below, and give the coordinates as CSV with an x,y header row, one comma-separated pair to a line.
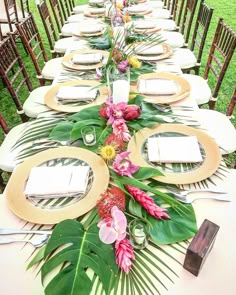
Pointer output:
x,y
221,9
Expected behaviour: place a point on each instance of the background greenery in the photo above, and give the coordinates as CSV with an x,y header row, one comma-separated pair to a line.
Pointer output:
x,y
221,9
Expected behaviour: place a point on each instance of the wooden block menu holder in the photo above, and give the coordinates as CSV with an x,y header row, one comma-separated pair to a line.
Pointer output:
x,y
200,247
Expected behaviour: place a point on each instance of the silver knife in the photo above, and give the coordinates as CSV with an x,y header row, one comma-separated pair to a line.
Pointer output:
x,y
6,231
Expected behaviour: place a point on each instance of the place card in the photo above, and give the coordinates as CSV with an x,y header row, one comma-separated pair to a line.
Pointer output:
x,y
179,149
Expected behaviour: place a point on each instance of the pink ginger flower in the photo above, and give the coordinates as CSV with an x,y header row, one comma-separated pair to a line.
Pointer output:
x,y
124,254
132,112
115,111
114,228
123,166
147,202
121,130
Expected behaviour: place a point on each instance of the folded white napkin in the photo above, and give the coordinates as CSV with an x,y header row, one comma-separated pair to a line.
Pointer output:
x,y
183,149
137,8
76,93
57,181
149,49
157,87
90,29
97,10
144,25
96,1
87,58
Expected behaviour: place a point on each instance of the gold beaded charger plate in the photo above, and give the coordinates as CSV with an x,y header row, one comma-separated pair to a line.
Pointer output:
x,y
51,211
67,60
182,85
52,102
184,174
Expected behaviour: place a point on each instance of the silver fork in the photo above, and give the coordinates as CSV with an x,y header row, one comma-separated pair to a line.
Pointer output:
x,y
185,197
37,242
165,108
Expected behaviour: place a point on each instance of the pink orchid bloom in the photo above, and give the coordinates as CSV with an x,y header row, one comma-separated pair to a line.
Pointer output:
x,y
115,111
113,229
121,130
123,66
123,166
98,73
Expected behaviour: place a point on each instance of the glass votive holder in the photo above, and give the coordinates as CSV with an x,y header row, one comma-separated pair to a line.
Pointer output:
x,y
139,233
89,135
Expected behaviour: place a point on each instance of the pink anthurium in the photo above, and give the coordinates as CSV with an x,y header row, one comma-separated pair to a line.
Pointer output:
x,y
112,229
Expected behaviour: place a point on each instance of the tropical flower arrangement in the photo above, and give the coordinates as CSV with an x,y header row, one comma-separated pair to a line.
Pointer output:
x,y
100,242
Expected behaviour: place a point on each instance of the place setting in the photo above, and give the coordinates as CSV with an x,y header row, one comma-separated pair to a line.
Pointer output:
x,y
146,27
87,59
139,9
89,29
150,51
55,184
73,96
184,154
95,12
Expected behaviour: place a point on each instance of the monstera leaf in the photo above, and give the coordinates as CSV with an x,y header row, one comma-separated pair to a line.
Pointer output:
x,y
82,251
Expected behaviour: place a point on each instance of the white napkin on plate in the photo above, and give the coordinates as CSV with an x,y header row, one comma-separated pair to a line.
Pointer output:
x,y
76,93
144,25
87,58
90,29
96,1
157,87
53,182
149,49
137,8
183,149
97,10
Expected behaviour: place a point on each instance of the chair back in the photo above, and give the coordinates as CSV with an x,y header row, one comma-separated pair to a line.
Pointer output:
x,y
231,104
24,4
33,42
187,20
200,32
5,129
48,25
57,13
11,14
65,8
221,52
13,72
1,36
178,8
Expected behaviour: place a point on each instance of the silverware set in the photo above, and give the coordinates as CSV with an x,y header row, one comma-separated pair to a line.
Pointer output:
x,y
188,196
36,241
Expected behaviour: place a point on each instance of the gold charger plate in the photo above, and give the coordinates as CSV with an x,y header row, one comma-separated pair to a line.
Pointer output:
x,y
67,60
212,155
167,51
51,101
148,31
27,210
182,85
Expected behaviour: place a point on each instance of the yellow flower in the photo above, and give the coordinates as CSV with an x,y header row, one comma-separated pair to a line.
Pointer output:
x,y
134,62
107,152
119,5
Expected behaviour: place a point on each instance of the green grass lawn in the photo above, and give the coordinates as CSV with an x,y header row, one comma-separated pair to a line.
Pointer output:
x,y
227,11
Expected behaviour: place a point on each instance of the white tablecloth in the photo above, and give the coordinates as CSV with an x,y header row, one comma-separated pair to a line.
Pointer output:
x,y
216,277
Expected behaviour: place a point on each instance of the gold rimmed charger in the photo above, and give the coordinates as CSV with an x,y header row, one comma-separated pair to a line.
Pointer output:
x,y
182,85
148,31
27,210
52,102
81,34
140,13
67,60
167,51
93,15
212,155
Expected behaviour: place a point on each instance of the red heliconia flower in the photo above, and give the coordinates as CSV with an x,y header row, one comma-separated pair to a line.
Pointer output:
x,y
124,254
147,202
113,140
116,55
131,112
112,197
103,111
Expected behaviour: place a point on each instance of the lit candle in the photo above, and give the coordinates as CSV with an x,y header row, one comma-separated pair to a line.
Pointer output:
x,y
139,235
120,91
